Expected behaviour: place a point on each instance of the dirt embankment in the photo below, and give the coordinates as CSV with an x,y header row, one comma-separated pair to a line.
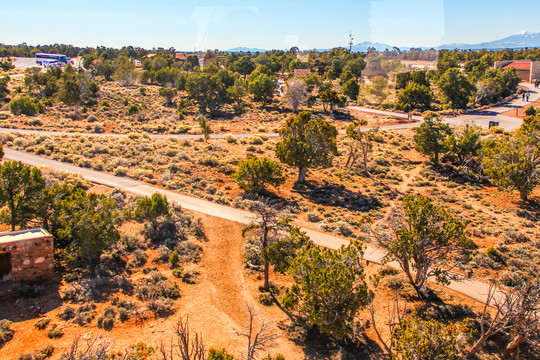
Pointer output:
x,y
216,307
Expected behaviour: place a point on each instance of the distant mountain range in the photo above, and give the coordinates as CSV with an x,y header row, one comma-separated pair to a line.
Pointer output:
x,y
518,41
245,49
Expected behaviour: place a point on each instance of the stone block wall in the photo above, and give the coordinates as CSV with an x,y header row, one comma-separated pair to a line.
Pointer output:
x,y
535,70
31,260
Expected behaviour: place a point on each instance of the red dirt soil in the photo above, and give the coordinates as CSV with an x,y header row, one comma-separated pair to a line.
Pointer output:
x,y
215,306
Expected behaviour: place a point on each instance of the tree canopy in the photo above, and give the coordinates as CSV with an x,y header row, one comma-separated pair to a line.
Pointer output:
x,y
420,339
456,88
430,136
514,162
207,90
86,224
253,174
20,191
329,288
262,87
307,142
425,238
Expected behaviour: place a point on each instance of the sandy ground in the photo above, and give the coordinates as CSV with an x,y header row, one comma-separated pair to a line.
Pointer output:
x,y
216,306
520,112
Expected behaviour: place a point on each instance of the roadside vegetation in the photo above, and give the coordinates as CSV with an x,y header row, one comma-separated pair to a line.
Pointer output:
x,y
445,203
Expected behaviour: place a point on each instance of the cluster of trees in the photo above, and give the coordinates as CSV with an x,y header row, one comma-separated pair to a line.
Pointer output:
x,y
477,83
330,286
331,64
83,224
457,88
512,162
68,86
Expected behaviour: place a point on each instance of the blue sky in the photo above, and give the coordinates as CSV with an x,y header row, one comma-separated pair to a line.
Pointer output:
x,y
279,24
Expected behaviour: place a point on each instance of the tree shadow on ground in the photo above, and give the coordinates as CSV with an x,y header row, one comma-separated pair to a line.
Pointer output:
x,y
318,346
530,209
336,195
34,301
343,115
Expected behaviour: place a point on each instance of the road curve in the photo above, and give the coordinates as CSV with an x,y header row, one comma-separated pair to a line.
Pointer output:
x,y
471,288
480,118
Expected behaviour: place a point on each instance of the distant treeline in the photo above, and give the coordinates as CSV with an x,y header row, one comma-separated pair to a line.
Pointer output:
x,y
493,55
24,50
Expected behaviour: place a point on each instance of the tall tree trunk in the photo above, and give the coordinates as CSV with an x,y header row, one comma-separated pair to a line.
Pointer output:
x,y
12,210
523,194
302,171
513,344
266,261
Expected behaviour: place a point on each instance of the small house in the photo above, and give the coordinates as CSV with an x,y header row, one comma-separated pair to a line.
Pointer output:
x,y
180,56
527,70
25,256
301,72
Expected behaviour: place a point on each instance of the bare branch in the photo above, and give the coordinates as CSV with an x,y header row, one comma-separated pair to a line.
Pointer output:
x,y
259,338
183,346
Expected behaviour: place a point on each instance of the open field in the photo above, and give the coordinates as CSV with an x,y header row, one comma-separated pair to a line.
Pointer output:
x,y
169,163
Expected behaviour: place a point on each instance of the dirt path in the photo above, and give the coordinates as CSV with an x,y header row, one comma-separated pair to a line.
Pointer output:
x,y
223,262
217,305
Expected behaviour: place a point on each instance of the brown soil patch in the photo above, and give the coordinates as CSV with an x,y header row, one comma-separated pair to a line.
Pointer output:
x,y
520,112
215,306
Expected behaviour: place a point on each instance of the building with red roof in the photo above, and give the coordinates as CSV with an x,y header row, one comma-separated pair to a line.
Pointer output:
x,y
527,70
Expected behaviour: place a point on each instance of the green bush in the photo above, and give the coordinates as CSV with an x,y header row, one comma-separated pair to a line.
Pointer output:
x,y
6,333
133,109
85,314
156,286
43,354
54,332
105,323
266,299
496,130
25,105
178,272
174,260
41,324
494,254
161,307
189,276
66,313
215,354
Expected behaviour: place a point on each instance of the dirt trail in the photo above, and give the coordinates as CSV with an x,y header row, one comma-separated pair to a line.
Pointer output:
x,y
223,262
215,306
218,303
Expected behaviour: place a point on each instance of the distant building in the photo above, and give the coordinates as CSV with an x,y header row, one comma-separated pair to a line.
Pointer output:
x,y
25,256
179,56
527,70
301,72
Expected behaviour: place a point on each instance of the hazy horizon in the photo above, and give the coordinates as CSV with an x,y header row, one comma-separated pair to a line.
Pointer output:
x,y
190,25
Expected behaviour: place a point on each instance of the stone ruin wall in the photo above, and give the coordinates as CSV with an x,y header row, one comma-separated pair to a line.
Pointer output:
x,y
31,260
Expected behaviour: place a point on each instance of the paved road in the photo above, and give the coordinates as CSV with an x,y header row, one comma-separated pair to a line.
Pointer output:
x,y
24,62
479,118
473,289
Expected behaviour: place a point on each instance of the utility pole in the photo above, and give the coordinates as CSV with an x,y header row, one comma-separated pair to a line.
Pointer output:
x,y
350,41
